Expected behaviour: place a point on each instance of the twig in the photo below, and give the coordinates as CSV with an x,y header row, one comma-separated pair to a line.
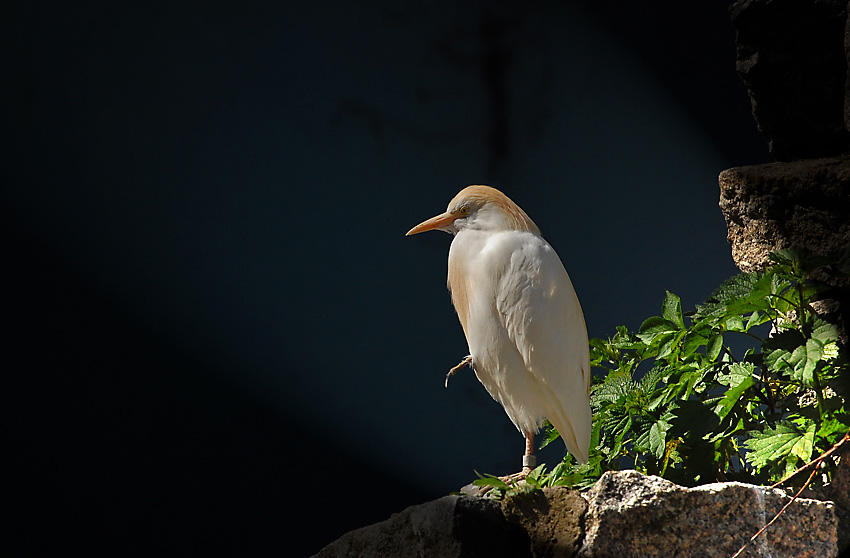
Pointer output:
x,y
814,462
817,461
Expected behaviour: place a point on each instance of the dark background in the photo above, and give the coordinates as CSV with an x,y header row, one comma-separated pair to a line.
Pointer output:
x,y
217,338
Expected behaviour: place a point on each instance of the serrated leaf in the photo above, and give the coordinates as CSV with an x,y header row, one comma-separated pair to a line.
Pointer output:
x,y
779,351
833,428
550,435
799,364
777,444
649,382
804,447
735,373
825,332
658,437
614,389
811,358
830,351
735,288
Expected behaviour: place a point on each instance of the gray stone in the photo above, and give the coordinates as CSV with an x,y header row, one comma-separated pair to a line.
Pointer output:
x,y
632,515
552,517
802,204
838,492
451,527
624,515
791,57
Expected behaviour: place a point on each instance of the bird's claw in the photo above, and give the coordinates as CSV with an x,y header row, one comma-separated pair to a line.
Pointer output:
x,y
466,360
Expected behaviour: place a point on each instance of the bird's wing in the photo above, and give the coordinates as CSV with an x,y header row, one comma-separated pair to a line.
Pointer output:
x,y
543,318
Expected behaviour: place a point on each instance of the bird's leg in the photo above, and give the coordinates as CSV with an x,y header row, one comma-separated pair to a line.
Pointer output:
x,y
529,460
466,360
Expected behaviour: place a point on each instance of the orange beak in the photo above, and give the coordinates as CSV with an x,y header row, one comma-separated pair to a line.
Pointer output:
x,y
438,222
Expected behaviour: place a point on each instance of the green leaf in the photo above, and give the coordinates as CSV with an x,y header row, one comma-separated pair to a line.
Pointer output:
x,y
550,435
692,416
731,397
734,323
616,387
715,345
833,429
811,358
669,345
825,332
805,445
671,309
490,480
658,437
696,336
735,288
535,477
786,442
650,381
735,373
755,319
656,330
800,361
779,349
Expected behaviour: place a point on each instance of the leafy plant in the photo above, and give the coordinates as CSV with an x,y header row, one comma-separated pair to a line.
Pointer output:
x,y
538,478
748,386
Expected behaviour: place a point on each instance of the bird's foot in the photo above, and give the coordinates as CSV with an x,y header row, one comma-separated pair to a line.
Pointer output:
x,y
466,360
514,481
516,477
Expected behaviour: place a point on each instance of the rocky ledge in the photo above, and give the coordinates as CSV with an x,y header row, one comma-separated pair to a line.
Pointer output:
x,y
625,514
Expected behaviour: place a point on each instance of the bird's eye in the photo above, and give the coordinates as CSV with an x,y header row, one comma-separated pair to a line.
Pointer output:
x,y
464,211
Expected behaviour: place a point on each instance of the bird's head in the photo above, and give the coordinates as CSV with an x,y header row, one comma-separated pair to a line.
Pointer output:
x,y
479,208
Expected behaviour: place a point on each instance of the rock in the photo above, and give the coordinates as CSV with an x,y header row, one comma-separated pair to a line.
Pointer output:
x,y
450,527
838,492
632,515
552,517
624,515
803,204
791,57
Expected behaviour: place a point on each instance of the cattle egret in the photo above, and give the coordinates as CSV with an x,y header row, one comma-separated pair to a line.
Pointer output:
x,y
521,317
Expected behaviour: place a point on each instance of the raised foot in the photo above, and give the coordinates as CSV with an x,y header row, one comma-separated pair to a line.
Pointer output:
x,y
466,360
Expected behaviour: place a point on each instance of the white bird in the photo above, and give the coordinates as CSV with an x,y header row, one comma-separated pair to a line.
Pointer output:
x,y
521,317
